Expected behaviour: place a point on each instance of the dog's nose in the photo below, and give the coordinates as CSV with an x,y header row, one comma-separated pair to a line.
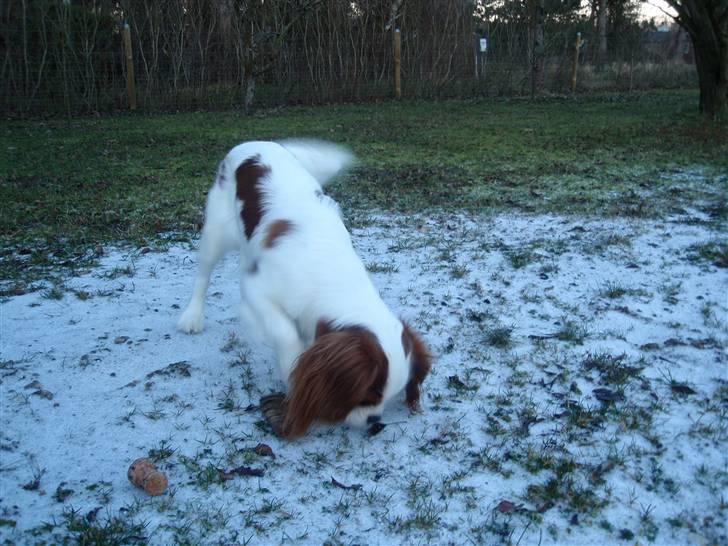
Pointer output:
x,y
373,419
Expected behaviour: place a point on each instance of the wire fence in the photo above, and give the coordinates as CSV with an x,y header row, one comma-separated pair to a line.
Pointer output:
x,y
63,57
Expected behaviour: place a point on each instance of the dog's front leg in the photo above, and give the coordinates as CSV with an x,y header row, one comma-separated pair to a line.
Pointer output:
x,y
220,235
278,328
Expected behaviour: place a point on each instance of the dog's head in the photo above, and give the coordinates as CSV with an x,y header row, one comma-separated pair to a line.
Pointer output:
x,y
344,375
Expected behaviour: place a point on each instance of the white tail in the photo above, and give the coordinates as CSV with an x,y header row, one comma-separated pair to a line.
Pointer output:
x,y
322,159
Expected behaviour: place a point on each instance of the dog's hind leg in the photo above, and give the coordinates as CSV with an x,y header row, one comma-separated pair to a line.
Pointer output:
x,y
220,235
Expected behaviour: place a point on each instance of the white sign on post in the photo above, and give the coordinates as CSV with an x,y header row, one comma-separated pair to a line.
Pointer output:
x,y
483,45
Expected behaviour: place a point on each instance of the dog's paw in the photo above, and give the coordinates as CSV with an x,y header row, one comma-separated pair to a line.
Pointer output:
x,y
273,407
191,321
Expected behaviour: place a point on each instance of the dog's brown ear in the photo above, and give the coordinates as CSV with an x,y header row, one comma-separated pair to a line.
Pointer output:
x,y
340,371
420,364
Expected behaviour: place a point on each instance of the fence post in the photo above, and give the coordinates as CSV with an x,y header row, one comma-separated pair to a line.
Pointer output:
x,y
577,47
129,61
397,64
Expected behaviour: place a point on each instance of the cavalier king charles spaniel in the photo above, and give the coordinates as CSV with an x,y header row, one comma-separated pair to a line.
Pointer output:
x,y
341,350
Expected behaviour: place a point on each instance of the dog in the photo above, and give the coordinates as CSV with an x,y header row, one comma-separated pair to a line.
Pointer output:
x,y
340,349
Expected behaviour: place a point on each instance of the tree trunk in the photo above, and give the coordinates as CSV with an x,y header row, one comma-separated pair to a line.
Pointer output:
x,y
249,93
712,69
706,22
602,33
538,51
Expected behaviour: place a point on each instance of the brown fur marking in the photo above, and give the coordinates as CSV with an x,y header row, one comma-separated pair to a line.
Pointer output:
x,y
324,327
248,176
420,364
343,369
276,229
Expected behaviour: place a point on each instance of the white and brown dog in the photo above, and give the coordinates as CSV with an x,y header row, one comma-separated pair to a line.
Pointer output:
x,y
341,350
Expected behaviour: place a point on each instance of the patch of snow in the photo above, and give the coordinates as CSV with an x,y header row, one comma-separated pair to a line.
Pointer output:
x,y
80,399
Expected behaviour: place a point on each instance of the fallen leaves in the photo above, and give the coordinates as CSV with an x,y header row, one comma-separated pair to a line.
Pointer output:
x,y
227,475
508,507
354,486
39,390
178,369
681,388
264,450
607,395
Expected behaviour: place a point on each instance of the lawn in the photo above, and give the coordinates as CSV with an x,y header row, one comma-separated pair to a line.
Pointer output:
x,y
564,260
69,186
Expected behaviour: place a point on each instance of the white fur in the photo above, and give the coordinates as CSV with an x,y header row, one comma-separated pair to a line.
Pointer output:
x,y
310,273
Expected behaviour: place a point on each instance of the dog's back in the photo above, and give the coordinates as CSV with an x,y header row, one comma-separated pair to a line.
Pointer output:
x,y
259,185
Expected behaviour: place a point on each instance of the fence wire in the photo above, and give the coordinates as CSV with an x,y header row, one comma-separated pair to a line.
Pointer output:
x,y
68,57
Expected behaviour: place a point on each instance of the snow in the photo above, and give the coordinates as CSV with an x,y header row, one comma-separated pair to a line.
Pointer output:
x,y
79,404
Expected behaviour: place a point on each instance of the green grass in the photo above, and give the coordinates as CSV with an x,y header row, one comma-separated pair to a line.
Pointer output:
x,y
612,369
572,332
107,530
713,252
499,336
70,186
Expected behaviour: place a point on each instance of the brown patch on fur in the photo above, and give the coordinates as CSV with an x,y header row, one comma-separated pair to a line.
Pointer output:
x,y
343,369
323,327
248,176
276,229
420,364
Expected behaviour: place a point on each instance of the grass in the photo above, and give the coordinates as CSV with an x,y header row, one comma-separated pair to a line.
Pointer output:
x,y
71,187
614,290
499,336
572,332
513,442
713,252
78,528
612,369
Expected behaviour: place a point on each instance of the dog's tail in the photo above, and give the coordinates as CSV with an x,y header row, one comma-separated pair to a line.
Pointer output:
x,y
320,158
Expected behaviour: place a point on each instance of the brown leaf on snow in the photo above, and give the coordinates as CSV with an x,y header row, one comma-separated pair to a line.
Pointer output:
x,y
336,483
48,395
264,450
456,382
507,507
607,395
226,475
680,388
179,369
440,440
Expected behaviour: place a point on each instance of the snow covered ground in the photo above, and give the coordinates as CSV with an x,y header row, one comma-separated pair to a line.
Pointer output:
x,y
579,395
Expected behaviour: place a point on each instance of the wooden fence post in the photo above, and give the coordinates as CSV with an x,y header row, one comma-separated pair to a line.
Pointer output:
x,y
129,61
397,64
577,47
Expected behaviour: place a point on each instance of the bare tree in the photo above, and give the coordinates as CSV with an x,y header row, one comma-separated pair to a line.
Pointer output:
x,y
537,45
263,28
149,28
706,21
602,18
193,53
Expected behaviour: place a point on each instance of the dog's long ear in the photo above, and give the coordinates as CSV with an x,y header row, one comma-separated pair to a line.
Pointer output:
x,y
420,364
340,371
